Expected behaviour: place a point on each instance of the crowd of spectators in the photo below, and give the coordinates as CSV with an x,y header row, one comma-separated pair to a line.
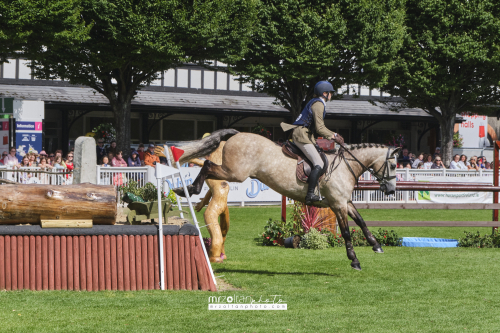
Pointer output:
x,y
111,157
41,160
407,160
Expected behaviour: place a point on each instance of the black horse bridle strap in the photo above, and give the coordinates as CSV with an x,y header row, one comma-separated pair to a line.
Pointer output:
x,y
374,174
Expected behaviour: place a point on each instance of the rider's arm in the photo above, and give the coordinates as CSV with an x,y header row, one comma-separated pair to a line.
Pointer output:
x,y
321,130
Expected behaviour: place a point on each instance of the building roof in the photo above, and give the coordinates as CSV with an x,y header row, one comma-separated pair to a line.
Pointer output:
x,y
86,98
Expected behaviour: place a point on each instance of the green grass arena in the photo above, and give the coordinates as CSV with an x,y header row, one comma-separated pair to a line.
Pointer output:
x,y
402,290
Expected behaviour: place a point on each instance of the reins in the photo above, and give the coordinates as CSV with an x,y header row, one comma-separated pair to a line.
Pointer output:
x,y
341,156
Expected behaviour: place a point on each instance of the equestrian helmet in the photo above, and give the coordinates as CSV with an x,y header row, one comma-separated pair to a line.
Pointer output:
x,y
321,87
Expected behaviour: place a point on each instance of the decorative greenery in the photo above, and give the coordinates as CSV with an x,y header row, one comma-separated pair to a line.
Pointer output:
x,y
476,240
387,238
397,141
458,140
310,218
276,231
105,131
333,239
262,130
314,240
147,192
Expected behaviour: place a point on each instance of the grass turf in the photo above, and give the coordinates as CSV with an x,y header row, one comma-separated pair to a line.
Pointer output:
x,y
403,290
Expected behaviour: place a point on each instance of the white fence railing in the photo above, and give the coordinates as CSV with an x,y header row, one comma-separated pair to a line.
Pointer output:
x,y
142,175
36,175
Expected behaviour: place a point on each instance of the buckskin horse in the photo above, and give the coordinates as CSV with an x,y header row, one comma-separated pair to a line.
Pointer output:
x,y
251,155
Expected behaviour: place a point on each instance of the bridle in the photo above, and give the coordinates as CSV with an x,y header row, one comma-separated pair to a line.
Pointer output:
x,y
384,169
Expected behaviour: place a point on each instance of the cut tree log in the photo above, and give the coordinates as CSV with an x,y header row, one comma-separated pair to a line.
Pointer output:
x,y
31,203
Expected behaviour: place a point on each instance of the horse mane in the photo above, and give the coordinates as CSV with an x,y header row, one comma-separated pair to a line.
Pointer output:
x,y
365,145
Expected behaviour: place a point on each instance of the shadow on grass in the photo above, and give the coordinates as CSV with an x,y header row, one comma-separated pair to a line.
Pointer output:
x,y
269,273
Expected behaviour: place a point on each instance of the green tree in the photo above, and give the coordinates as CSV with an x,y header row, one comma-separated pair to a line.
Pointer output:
x,y
39,22
449,62
131,41
299,42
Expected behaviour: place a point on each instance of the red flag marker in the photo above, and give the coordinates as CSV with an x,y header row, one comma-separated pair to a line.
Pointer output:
x,y
177,153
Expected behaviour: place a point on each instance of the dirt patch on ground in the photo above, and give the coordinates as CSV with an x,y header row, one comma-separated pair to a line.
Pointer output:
x,y
222,285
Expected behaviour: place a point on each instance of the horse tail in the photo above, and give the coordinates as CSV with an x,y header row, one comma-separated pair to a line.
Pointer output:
x,y
204,147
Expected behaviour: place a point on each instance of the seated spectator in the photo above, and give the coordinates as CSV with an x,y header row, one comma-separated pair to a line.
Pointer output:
x,y
438,163
428,162
454,163
4,154
140,151
400,166
417,161
69,161
111,156
105,162
463,162
134,160
407,165
149,157
118,160
487,166
480,162
112,148
100,149
473,164
58,162
420,166
25,162
11,159
51,159
59,153
32,160
43,163
437,152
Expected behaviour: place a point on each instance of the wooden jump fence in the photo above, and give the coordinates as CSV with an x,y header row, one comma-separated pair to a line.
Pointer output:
x,y
101,258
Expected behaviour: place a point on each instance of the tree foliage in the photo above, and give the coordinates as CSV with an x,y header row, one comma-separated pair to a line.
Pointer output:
x,y
132,41
450,60
39,23
299,42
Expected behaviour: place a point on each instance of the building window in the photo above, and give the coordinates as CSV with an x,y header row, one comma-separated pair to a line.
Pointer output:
x,y
203,127
178,130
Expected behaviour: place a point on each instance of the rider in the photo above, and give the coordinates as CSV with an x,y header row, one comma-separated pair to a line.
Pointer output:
x,y
310,124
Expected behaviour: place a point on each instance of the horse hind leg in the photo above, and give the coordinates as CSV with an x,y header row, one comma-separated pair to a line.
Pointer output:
x,y
210,170
344,228
354,214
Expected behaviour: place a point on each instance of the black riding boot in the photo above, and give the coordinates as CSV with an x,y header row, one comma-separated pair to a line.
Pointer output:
x,y
313,182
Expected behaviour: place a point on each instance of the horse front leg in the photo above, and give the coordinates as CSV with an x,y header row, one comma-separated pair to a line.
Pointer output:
x,y
341,214
354,214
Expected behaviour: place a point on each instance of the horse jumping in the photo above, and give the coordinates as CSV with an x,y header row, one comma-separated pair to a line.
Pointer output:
x,y
250,155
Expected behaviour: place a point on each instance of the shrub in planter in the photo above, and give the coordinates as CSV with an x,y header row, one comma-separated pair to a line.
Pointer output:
x,y
146,192
476,240
275,232
333,240
314,240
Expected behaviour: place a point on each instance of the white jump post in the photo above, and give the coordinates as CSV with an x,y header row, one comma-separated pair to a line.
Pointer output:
x,y
160,225
169,163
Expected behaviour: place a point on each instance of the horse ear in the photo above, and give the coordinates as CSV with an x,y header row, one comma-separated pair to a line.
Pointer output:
x,y
396,151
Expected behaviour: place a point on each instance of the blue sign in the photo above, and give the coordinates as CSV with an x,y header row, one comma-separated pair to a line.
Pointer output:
x,y
255,188
28,138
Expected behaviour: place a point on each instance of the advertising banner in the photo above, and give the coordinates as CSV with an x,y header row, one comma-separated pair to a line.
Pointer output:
x,y
28,138
251,190
454,197
474,131
4,135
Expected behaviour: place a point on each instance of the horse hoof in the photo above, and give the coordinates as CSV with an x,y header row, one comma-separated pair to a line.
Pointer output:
x,y
377,249
216,259
356,266
179,191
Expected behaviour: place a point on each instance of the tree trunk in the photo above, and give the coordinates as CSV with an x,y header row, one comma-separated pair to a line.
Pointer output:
x,y
447,123
121,109
30,203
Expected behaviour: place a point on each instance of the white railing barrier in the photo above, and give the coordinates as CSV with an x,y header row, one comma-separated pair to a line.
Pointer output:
x,y
37,175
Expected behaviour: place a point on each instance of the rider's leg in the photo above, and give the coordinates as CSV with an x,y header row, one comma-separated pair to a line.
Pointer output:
x,y
312,154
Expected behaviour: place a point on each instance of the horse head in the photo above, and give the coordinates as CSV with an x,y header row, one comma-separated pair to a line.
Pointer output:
x,y
385,171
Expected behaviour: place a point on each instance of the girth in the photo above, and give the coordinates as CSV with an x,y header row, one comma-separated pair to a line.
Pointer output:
x,y
304,166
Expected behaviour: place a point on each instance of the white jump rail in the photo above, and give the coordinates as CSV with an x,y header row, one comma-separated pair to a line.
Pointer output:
x,y
37,175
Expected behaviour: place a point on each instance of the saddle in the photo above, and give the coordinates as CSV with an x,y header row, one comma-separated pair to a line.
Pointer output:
x,y
304,166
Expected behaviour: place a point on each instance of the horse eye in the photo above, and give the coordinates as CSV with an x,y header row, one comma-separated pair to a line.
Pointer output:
x,y
393,166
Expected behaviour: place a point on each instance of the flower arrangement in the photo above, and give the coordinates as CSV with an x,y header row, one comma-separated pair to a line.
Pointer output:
x,y
262,130
458,140
105,131
397,141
